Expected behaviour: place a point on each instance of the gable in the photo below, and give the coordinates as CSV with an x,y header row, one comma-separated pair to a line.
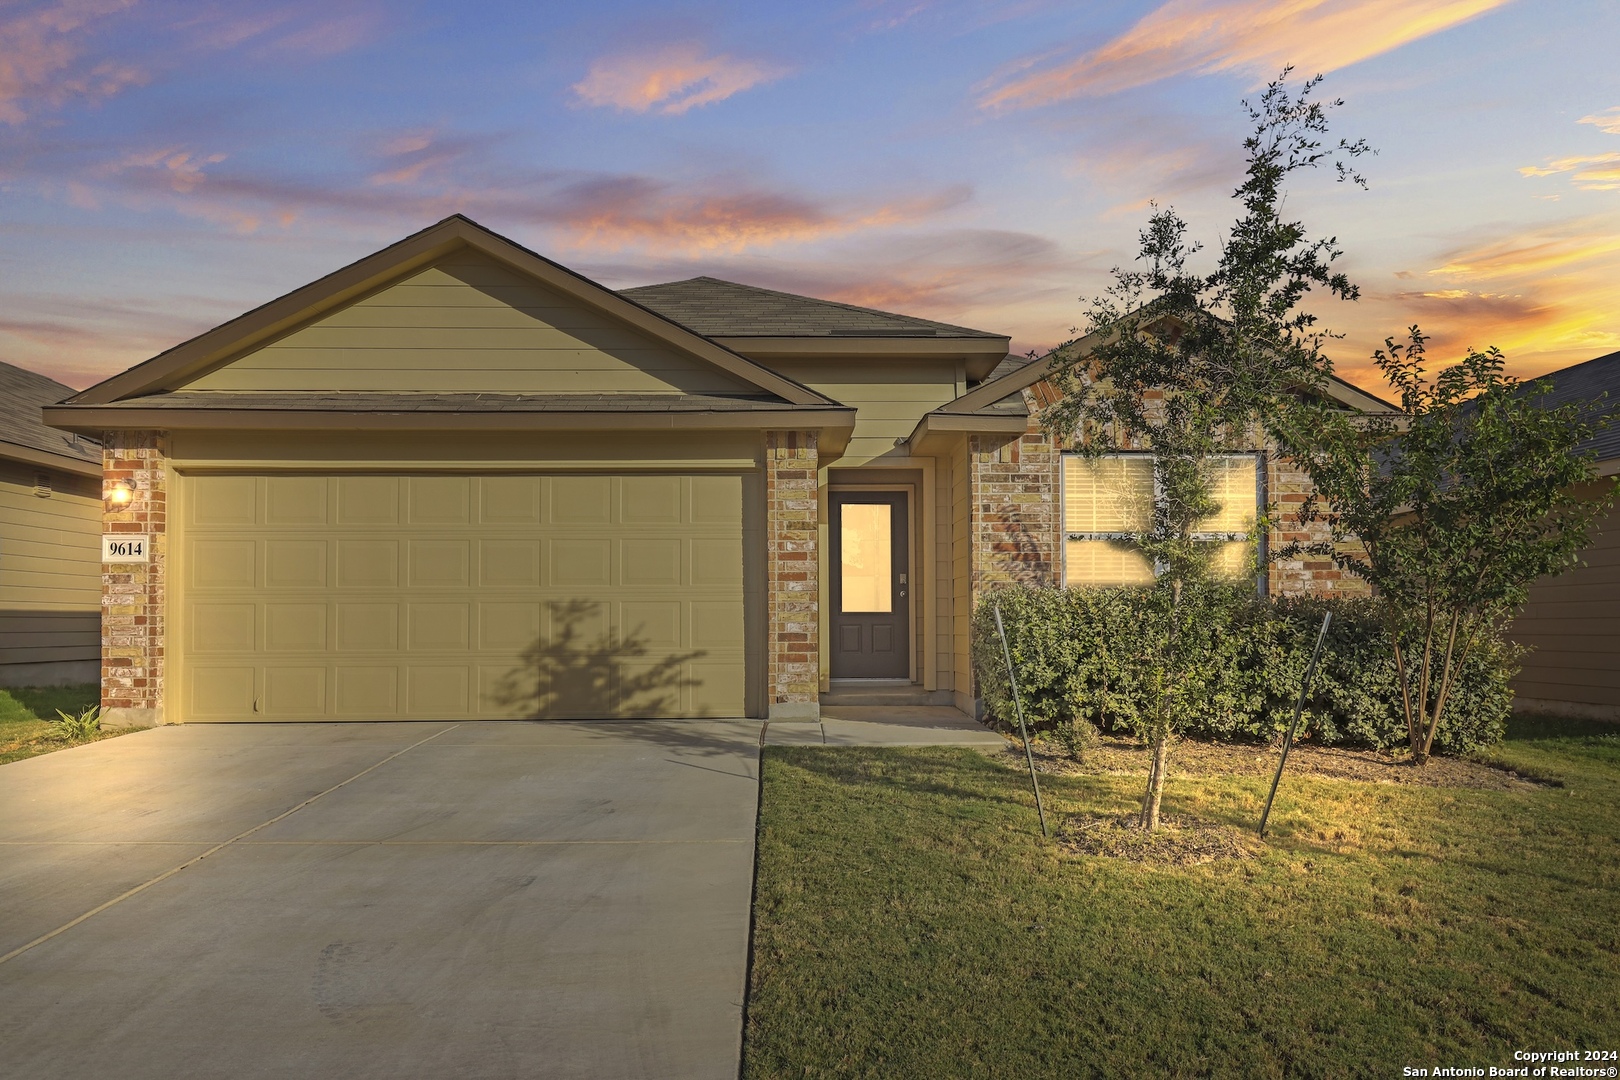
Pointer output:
x,y
468,324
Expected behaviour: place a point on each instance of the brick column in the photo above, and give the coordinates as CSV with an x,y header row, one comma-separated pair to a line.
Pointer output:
x,y
793,633
132,594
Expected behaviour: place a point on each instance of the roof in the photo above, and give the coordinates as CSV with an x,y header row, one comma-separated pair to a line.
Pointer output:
x,y
717,308
22,393
1588,382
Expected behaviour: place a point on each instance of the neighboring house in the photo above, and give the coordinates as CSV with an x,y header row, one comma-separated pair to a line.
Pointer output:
x,y
456,479
1572,621
50,540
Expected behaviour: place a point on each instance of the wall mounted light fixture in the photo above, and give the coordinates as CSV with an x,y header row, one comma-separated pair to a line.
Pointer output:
x,y
119,493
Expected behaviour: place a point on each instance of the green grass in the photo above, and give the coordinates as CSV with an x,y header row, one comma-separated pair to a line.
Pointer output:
x,y
24,714
910,921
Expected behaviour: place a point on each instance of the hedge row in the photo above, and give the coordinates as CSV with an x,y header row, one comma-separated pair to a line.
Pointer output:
x,y
1092,654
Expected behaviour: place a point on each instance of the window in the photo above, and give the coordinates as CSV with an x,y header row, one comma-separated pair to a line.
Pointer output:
x,y
1108,500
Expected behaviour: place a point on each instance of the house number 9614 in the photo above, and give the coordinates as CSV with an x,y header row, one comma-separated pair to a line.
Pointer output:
x,y
124,549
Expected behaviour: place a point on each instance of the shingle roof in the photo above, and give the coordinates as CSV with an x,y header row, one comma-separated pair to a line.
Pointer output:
x,y
718,308
22,392
1585,382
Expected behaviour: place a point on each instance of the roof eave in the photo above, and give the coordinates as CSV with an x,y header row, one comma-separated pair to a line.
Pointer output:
x,y
29,455
981,354
938,430
89,419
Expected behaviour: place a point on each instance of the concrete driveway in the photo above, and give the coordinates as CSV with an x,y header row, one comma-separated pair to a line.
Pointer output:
x,y
379,900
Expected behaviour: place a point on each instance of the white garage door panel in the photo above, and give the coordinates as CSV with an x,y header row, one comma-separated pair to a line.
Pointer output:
x,y
376,597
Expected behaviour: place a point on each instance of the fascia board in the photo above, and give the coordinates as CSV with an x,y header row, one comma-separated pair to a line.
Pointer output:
x,y
991,392
1346,393
982,354
90,419
936,424
30,456
398,260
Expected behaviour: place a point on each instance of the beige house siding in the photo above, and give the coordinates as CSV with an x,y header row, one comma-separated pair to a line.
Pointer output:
x,y
467,324
961,526
1572,622
891,396
942,600
50,573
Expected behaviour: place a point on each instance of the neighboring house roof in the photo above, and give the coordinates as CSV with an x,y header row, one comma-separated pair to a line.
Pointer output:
x,y
1588,382
717,308
23,434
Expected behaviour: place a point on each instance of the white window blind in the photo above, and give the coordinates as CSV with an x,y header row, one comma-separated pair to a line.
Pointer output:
x,y
1108,499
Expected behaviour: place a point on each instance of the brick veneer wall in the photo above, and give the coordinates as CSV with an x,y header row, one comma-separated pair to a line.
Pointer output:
x,y
133,621
1287,487
1014,528
793,645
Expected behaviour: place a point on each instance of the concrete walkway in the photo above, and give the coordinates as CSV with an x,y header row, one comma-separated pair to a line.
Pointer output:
x,y
379,900
884,725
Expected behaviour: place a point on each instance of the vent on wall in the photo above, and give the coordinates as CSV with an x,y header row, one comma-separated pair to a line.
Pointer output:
x,y
42,485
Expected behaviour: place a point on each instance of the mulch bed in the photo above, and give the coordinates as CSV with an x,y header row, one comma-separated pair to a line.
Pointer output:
x,y
1177,843
1116,757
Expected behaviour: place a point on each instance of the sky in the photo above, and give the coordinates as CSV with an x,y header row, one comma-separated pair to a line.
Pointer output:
x,y
166,165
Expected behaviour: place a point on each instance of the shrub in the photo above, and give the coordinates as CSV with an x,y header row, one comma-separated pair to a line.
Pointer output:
x,y
1080,654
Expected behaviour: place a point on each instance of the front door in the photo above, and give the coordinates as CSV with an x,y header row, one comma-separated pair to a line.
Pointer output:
x,y
871,622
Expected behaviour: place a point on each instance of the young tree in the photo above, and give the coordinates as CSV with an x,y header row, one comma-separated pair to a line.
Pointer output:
x,y
1192,365
1450,511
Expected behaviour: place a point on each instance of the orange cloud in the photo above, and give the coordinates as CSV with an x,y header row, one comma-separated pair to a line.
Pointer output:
x,y
1607,121
182,170
1605,177
1533,253
630,214
670,80
1251,37
1547,297
40,59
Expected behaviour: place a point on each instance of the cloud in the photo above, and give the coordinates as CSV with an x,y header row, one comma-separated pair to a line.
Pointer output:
x,y
42,63
79,340
1536,252
1593,172
671,80
1254,38
1607,121
181,170
1547,296
304,28
609,214
420,175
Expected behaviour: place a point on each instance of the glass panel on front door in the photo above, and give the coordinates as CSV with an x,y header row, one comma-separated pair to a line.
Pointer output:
x,y
867,557
871,620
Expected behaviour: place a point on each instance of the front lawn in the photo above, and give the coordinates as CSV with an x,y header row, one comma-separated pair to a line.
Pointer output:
x,y
25,712
910,921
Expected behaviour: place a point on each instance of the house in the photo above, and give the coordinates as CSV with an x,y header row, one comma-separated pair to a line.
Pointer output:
x,y
456,479
50,537
1572,621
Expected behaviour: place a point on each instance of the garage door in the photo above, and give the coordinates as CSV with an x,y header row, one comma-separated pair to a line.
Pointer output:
x,y
370,597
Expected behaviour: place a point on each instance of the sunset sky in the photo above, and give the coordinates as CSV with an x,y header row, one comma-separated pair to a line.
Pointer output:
x,y
169,164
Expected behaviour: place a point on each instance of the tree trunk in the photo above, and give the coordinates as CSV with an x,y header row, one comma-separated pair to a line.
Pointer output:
x,y
1155,791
